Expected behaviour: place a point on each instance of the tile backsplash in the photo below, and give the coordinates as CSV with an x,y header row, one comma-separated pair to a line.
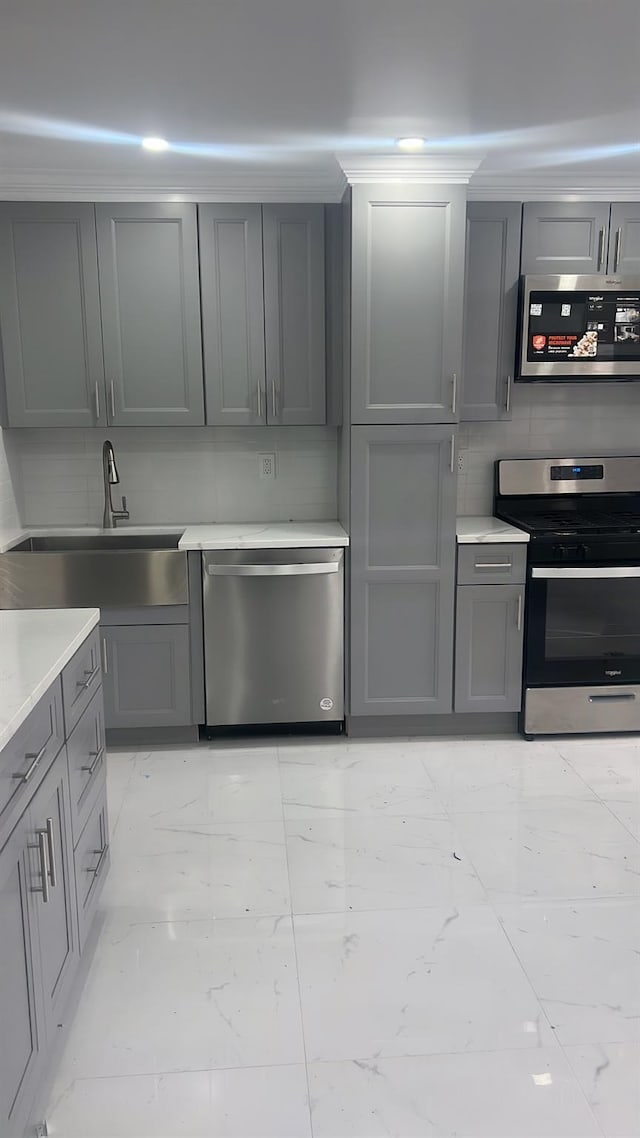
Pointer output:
x,y
564,421
199,474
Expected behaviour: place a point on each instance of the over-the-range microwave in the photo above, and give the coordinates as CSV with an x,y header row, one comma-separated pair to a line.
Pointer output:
x,y
579,327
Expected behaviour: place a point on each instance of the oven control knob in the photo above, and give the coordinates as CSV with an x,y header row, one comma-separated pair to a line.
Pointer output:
x,y
582,552
560,550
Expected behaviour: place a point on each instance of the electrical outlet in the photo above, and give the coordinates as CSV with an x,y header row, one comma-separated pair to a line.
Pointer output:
x,y
462,461
266,465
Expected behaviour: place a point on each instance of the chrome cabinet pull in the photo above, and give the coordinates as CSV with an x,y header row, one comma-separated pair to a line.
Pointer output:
x,y
112,399
53,876
37,759
90,678
492,565
41,847
600,249
507,402
452,455
97,759
454,393
97,395
519,616
105,658
259,400
103,853
274,399
616,259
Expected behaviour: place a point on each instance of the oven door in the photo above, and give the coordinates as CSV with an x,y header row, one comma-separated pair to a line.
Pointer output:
x,y
583,625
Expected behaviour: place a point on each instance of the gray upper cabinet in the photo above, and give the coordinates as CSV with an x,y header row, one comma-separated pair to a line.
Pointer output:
x,y
232,313
624,242
147,677
149,293
50,315
489,638
407,303
403,508
565,237
491,309
294,310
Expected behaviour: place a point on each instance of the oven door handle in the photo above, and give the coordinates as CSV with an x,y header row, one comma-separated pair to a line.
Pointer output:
x,y
585,572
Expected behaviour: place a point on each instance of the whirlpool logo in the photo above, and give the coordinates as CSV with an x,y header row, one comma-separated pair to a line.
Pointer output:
x,y
613,672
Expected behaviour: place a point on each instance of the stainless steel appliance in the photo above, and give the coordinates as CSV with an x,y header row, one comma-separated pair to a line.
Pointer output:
x,y
274,631
582,631
579,327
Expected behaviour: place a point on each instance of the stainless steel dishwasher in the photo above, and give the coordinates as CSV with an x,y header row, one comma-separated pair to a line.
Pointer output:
x,y
274,636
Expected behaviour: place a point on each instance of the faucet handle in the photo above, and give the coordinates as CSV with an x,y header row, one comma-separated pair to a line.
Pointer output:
x,y
124,503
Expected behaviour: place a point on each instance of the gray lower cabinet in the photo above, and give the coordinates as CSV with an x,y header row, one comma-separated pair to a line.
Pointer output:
x,y
50,337
147,671
624,243
565,237
150,304
489,641
403,507
407,289
491,309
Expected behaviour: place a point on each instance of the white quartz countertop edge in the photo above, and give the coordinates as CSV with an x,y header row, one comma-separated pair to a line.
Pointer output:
x,y
477,530
35,645
217,535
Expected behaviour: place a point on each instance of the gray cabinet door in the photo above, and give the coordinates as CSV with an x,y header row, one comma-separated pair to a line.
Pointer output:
x,y
294,311
150,300
564,237
232,313
146,677
403,507
624,243
489,637
407,303
50,315
491,309
21,1036
50,821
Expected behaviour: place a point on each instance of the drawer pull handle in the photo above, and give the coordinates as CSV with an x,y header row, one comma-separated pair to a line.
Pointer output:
x,y
623,697
519,613
53,876
36,760
103,853
41,847
97,759
492,565
84,684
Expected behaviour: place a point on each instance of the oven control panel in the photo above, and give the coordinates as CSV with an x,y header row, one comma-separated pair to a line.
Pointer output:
x,y
593,473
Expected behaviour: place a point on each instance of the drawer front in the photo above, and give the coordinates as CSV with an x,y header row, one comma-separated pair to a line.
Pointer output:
x,y
92,858
493,564
80,679
87,762
24,761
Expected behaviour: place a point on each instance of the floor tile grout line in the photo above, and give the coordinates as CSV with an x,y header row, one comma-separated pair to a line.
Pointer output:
x,y
582,1089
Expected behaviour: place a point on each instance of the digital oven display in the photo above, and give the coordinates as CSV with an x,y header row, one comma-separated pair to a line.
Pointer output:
x,y
576,473
583,327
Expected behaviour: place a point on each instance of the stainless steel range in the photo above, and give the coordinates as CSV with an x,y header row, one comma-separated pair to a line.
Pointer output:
x,y
582,633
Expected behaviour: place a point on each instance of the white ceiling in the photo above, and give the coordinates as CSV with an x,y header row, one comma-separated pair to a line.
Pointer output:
x,y
268,90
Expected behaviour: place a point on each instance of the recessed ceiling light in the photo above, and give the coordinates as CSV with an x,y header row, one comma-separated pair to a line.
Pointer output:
x,y
411,143
153,143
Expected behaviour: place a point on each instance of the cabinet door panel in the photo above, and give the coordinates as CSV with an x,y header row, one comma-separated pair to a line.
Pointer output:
x,y
407,300
489,637
402,570
624,244
564,237
50,315
20,1043
491,308
149,292
294,309
50,815
147,676
232,313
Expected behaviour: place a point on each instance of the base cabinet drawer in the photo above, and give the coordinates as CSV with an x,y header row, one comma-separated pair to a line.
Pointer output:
x,y
80,679
27,756
489,642
492,564
92,860
87,762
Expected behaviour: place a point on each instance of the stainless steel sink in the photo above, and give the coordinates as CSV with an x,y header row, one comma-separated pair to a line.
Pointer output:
x,y
115,570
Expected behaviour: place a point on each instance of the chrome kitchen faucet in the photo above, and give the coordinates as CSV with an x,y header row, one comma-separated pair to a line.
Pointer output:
x,y
110,477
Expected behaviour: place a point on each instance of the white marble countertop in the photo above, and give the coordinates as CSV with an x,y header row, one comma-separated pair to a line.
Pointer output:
x,y
261,535
35,645
476,531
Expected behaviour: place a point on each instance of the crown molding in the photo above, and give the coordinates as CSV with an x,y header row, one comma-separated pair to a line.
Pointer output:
x,y
567,185
409,168
275,184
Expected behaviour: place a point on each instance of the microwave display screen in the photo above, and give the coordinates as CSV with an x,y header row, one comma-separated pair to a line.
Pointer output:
x,y
579,328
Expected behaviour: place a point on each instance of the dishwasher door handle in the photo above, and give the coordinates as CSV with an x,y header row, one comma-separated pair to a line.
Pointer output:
x,y
303,568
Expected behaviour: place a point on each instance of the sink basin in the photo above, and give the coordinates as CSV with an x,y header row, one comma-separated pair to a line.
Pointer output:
x,y
102,541
108,570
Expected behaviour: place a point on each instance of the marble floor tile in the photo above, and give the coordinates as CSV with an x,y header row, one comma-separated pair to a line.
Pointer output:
x,y
269,1102
175,872
206,784
498,1094
354,779
611,769
359,862
503,776
575,851
412,982
609,1074
583,961
120,767
183,996
627,810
